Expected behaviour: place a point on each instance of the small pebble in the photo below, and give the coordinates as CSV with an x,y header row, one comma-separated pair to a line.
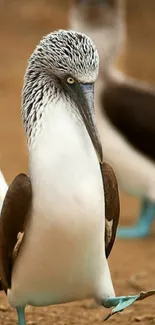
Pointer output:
x,y
141,318
3,308
30,322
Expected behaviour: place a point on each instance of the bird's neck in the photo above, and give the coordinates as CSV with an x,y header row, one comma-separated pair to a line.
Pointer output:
x,y
106,27
62,146
139,43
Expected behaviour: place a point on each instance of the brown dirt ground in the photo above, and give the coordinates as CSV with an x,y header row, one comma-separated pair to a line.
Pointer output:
x,y
21,27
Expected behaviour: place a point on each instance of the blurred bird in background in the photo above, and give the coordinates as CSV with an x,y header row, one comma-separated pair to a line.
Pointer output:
x,y
125,95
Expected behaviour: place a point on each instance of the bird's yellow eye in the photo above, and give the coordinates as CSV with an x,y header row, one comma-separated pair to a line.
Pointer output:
x,y
70,80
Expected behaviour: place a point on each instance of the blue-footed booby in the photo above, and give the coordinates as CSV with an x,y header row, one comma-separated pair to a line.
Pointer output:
x,y
124,108
58,225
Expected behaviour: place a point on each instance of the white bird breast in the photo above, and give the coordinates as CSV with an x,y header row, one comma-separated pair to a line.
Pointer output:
x,y
63,257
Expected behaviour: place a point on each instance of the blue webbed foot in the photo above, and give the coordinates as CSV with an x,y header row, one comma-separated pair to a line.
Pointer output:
x,y
132,232
143,226
21,316
120,303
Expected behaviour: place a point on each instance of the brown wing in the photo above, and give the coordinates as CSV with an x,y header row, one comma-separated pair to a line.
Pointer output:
x,y
131,111
112,206
13,216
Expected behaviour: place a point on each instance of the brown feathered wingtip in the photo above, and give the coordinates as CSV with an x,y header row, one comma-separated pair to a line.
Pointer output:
x,y
1,286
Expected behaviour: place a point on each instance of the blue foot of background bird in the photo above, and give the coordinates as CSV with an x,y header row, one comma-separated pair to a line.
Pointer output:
x,y
143,226
21,316
120,303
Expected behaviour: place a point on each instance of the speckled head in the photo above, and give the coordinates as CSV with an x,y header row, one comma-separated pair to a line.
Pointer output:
x,y
67,52
65,63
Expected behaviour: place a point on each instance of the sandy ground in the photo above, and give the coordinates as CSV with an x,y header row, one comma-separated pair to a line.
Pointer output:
x,y
22,27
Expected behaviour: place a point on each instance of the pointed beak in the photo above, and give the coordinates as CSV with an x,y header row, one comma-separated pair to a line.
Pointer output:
x,y
84,99
86,109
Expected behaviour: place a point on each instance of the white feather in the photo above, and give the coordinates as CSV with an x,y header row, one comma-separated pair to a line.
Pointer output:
x,y
3,189
63,256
